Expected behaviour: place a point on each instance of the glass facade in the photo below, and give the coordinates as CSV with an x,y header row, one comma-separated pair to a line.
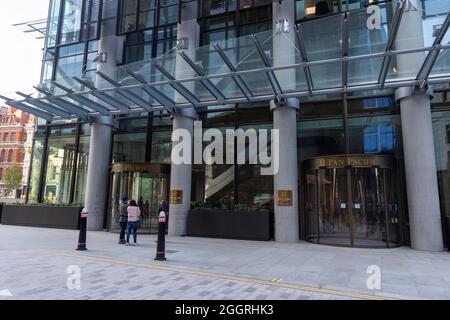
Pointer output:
x,y
58,169
312,9
356,124
71,45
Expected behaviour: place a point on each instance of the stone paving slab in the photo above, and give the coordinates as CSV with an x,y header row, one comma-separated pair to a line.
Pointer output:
x,y
34,266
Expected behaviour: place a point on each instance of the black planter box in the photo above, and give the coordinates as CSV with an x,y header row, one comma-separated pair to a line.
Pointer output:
x,y
41,216
242,225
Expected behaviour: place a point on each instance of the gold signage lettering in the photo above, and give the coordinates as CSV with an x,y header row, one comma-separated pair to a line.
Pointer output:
x,y
176,197
284,198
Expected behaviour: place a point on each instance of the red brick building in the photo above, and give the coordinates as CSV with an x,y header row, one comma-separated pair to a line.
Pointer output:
x,y
13,136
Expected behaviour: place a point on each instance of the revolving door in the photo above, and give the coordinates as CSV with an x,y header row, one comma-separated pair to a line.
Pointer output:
x,y
145,183
352,200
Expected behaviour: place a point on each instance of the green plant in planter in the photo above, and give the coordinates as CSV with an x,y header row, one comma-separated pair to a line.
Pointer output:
x,y
64,205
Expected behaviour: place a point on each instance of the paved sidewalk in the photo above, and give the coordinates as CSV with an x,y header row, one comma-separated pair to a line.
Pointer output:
x,y
35,261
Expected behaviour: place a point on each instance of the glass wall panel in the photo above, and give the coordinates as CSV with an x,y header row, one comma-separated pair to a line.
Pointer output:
x,y
310,9
129,16
161,147
82,168
71,21
129,147
321,109
371,104
320,138
255,190
168,12
60,161
441,132
53,23
375,135
70,61
36,163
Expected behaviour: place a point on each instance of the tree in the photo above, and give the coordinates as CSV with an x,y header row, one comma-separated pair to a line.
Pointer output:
x,y
13,178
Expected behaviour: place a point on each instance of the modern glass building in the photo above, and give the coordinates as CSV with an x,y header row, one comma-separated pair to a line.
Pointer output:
x,y
358,89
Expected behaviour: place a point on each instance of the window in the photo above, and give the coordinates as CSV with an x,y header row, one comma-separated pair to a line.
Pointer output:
x,y
70,61
147,11
91,19
251,17
146,14
213,7
49,62
36,169
1,174
71,21
76,60
13,137
129,16
308,9
3,156
53,21
168,12
10,156
60,161
139,46
374,135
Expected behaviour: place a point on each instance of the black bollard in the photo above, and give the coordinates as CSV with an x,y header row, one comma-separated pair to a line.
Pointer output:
x,y
161,247
83,231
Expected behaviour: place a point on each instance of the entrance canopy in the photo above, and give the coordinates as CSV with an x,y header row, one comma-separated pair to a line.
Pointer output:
x,y
349,52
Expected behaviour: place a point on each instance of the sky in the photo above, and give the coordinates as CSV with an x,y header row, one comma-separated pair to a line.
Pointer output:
x,y
20,53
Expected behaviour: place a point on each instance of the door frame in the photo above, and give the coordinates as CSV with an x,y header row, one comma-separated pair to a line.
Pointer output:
x,y
349,162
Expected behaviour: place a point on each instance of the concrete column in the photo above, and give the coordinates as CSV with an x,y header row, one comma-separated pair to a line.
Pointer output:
x,y
101,127
285,120
181,175
418,144
98,171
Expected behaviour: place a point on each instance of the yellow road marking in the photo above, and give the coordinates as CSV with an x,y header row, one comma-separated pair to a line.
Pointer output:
x,y
276,282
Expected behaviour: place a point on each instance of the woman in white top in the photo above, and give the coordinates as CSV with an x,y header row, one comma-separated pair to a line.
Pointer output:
x,y
134,215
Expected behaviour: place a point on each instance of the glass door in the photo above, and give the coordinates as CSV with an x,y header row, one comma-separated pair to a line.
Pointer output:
x,y
147,189
369,207
333,213
352,204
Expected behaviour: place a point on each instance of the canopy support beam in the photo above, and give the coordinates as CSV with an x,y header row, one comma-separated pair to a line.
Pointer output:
x,y
270,73
237,79
177,86
207,83
433,55
164,100
395,25
103,96
304,55
127,93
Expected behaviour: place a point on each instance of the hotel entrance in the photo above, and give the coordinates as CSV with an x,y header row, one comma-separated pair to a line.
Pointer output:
x,y
352,200
145,183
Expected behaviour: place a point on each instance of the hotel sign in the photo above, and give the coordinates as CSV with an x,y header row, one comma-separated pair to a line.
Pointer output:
x,y
140,167
357,161
284,198
176,197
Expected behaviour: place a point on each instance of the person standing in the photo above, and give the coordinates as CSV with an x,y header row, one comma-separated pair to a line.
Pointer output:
x,y
134,215
123,219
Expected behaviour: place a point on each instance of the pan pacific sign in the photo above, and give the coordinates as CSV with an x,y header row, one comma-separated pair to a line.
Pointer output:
x,y
357,161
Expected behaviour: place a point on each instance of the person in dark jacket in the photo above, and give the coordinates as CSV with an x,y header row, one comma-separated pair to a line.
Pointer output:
x,y
123,220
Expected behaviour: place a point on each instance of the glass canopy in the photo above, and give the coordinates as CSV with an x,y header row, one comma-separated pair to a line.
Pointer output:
x,y
336,54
